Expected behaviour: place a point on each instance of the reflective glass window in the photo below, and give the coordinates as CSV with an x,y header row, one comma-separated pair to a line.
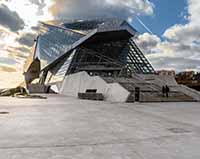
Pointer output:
x,y
55,42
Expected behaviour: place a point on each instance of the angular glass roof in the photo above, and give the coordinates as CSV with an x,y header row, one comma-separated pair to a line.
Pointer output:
x,y
102,24
57,38
54,42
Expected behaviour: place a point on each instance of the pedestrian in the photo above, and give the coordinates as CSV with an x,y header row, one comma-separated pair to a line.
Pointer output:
x,y
167,91
163,91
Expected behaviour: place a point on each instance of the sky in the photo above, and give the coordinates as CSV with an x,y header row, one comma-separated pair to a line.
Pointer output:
x,y
169,32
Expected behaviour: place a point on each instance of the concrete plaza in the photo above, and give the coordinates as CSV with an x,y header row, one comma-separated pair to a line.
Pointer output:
x,y
67,128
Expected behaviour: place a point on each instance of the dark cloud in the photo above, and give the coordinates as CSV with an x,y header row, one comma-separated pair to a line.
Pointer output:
x,y
23,49
27,39
35,28
10,19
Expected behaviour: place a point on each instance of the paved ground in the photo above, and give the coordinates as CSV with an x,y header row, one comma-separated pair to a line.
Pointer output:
x,y
62,128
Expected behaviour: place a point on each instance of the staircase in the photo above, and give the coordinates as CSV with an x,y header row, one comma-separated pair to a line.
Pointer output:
x,y
152,92
186,90
173,97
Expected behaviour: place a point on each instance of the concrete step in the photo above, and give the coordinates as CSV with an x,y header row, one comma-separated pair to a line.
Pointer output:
x,y
173,97
152,92
186,90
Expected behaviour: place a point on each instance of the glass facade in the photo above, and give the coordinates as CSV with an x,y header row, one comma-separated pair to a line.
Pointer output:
x,y
59,75
65,49
54,42
111,49
83,25
136,61
103,24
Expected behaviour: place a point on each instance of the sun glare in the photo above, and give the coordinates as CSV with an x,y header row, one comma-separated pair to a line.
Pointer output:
x,y
29,12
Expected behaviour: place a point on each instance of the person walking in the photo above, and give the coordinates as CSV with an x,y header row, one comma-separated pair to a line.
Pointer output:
x,y
167,91
163,91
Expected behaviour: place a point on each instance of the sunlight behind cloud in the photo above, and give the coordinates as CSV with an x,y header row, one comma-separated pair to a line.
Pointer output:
x,y
29,11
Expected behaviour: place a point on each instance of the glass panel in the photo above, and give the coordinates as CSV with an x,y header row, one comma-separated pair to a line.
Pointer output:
x,y
48,77
60,74
53,43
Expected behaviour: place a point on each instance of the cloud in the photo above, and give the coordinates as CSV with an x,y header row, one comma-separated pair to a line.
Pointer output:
x,y
27,39
7,69
19,53
148,42
180,63
35,28
65,9
41,5
10,79
10,19
190,32
180,48
194,11
12,53
7,61
170,54
183,33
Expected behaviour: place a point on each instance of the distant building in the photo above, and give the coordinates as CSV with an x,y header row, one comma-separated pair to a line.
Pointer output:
x,y
197,76
167,73
189,78
184,76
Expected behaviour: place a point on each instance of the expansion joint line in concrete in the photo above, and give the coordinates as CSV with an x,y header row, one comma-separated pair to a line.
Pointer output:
x,y
113,142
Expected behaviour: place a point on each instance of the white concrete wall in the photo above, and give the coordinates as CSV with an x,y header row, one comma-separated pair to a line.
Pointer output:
x,y
80,82
56,87
116,93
